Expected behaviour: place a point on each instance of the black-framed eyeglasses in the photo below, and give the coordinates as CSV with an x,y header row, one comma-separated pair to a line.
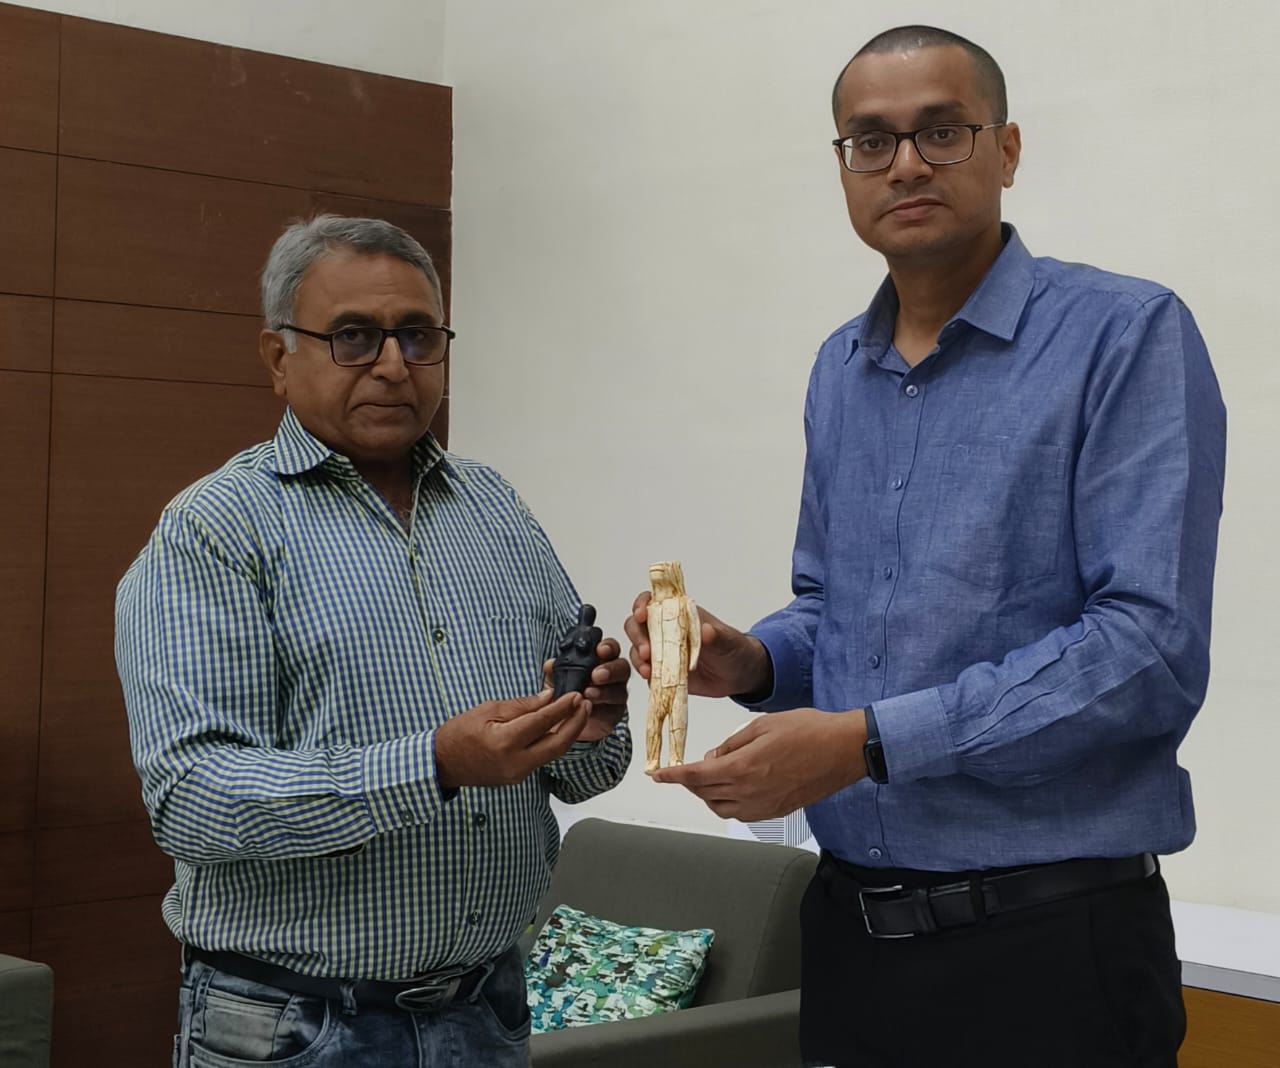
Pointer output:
x,y
939,145
361,345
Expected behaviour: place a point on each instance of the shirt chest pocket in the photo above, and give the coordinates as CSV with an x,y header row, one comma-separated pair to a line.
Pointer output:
x,y
999,512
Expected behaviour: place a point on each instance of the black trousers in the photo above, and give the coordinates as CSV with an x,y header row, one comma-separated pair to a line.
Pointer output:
x,y
1088,982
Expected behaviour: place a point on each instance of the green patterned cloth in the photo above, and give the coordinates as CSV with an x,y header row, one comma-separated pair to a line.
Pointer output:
x,y
585,970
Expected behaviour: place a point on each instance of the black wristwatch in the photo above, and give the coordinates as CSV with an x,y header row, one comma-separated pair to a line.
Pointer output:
x,y
873,751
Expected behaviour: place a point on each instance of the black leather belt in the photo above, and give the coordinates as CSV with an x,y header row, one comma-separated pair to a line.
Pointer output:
x,y
899,911
420,994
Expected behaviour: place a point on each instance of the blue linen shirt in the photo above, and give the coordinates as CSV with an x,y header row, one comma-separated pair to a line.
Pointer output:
x,y
287,649
1009,550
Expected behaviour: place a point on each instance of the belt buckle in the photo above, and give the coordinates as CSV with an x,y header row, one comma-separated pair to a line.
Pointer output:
x,y
430,995
441,990
866,919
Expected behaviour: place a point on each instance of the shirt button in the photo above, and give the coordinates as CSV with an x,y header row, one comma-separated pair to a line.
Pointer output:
x,y
874,853
896,483
873,660
911,391
438,635
887,572
481,819
473,917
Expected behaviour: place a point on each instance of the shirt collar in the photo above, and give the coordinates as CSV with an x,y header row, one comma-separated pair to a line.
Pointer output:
x,y
994,307
298,451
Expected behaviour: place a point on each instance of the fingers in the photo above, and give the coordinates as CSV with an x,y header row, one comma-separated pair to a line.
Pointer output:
x,y
636,625
729,797
601,722
537,717
608,649
500,743
520,706
612,671
612,697
636,628
557,740
607,692
699,776
777,764
713,627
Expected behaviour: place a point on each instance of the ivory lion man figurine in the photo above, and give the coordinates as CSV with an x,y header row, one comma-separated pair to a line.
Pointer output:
x,y
675,636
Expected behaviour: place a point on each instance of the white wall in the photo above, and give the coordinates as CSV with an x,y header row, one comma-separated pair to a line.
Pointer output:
x,y
404,38
650,243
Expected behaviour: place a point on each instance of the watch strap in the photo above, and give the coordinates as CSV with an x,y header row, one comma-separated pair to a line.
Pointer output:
x,y
873,750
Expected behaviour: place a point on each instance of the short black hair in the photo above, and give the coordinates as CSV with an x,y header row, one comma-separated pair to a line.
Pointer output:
x,y
909,38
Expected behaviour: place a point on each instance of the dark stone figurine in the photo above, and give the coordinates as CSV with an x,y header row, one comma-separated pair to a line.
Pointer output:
x,y
571,670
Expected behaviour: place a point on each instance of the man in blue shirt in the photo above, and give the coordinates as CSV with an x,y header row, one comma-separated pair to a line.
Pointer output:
x,y
1003,575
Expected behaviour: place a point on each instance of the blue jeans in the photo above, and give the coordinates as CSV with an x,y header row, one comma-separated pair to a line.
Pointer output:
x,y
228,1022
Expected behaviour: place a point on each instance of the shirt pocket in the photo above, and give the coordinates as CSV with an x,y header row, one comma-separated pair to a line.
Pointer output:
x,y
998,516
503,657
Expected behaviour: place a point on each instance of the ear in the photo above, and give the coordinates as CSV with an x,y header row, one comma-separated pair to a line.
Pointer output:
x,y
1011,151
274,354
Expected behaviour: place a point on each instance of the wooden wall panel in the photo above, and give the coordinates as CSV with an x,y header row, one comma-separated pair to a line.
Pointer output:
x,y
24,453
131,1027
228,112
120,449
28,78
80,864
26,333
134,342
133,235
27,180
1225,1031
86,944
115,968
144,179
15,933
16,851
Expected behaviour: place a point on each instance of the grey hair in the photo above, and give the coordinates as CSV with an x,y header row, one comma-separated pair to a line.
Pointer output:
x,y
303,243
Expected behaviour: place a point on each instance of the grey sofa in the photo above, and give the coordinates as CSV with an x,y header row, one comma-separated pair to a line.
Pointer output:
x,y
26,1013
746,1012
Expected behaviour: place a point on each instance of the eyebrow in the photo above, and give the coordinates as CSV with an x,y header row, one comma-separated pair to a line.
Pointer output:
x,y
949,110
354,318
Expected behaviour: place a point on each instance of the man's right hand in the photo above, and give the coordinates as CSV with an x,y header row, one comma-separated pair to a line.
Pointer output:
x,y
500,743
729,663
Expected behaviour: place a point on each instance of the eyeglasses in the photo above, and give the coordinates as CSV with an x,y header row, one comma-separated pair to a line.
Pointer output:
x,y
939,145
359,346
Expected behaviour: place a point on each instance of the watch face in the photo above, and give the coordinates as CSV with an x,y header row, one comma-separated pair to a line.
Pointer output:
x,y
873,756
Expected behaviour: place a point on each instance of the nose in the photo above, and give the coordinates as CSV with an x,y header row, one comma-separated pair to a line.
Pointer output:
x,y
390,362
908,165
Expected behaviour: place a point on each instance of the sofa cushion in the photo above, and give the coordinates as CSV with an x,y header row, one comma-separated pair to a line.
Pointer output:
x,y
583,969
26,1012
747,892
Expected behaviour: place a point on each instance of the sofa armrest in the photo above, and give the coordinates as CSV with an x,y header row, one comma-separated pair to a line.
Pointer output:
x,y
26,1012
759,1032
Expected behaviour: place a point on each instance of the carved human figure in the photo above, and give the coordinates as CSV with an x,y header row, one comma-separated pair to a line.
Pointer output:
x,y
675,636
571,669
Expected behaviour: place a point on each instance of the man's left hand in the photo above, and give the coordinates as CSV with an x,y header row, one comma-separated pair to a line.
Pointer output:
x,y
606,690
777,763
